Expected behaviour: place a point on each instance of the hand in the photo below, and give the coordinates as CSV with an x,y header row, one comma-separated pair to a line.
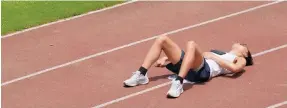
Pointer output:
x,y
161,62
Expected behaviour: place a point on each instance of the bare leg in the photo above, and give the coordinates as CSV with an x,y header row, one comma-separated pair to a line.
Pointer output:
x,y
162,43
192,59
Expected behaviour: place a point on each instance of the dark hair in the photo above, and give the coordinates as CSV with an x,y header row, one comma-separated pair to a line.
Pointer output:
x,y
249,59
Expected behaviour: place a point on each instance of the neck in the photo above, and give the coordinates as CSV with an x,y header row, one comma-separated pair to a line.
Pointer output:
x,y
235,52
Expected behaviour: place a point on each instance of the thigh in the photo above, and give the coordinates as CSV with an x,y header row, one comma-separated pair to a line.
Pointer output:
x,y
176,66
172,51
196,54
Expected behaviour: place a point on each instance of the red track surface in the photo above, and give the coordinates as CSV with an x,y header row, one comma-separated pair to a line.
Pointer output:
x,y
99,80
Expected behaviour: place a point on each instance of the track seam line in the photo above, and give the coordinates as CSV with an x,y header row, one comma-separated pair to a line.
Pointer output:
x,y
167,83
66,19
137,42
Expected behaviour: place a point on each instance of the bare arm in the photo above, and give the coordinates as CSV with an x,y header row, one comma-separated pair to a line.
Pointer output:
x,y
233,67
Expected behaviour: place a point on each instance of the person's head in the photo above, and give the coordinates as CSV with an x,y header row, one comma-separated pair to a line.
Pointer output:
x,y
243,51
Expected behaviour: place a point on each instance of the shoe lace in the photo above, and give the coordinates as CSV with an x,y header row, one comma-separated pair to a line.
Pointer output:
x,y
175,84
135,75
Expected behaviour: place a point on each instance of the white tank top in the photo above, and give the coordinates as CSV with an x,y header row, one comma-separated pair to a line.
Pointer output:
x,y
215,69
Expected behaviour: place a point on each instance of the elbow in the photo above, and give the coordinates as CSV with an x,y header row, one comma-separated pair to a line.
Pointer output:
x,y
235,69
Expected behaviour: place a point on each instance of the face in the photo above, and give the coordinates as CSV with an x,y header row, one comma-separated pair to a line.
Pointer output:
x,y
240,48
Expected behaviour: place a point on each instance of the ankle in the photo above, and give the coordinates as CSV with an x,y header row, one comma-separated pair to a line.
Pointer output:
x,y
180,79
143,70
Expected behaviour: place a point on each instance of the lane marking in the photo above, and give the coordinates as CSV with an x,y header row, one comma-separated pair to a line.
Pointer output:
x,y
167,83
137,42
132,95
66,19
278,105
271,50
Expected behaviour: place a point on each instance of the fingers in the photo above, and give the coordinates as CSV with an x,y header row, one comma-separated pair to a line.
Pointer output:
x,y
160,64
157,65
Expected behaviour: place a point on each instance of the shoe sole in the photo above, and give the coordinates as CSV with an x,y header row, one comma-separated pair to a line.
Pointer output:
x,y
127,85
172,97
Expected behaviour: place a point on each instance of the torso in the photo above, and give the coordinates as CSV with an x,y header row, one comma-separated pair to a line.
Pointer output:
x,y
215,69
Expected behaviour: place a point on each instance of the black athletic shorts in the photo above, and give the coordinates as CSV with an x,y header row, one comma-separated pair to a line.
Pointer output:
x,y
194,76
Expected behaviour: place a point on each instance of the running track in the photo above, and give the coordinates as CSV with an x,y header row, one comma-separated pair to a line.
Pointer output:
x,y
97,80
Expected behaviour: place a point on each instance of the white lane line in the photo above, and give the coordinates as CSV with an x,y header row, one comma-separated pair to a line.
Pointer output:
x,y
167,83
136,42
278,105
132,95
66,19
270,50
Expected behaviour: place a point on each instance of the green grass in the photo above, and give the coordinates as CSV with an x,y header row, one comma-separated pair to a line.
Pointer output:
x,y
19,15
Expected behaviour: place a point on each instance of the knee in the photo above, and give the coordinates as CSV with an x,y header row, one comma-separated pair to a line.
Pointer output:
x,y
161,39
191,45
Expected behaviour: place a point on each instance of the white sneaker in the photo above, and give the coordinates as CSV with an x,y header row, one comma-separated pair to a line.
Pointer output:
x,y
175,90
136,79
